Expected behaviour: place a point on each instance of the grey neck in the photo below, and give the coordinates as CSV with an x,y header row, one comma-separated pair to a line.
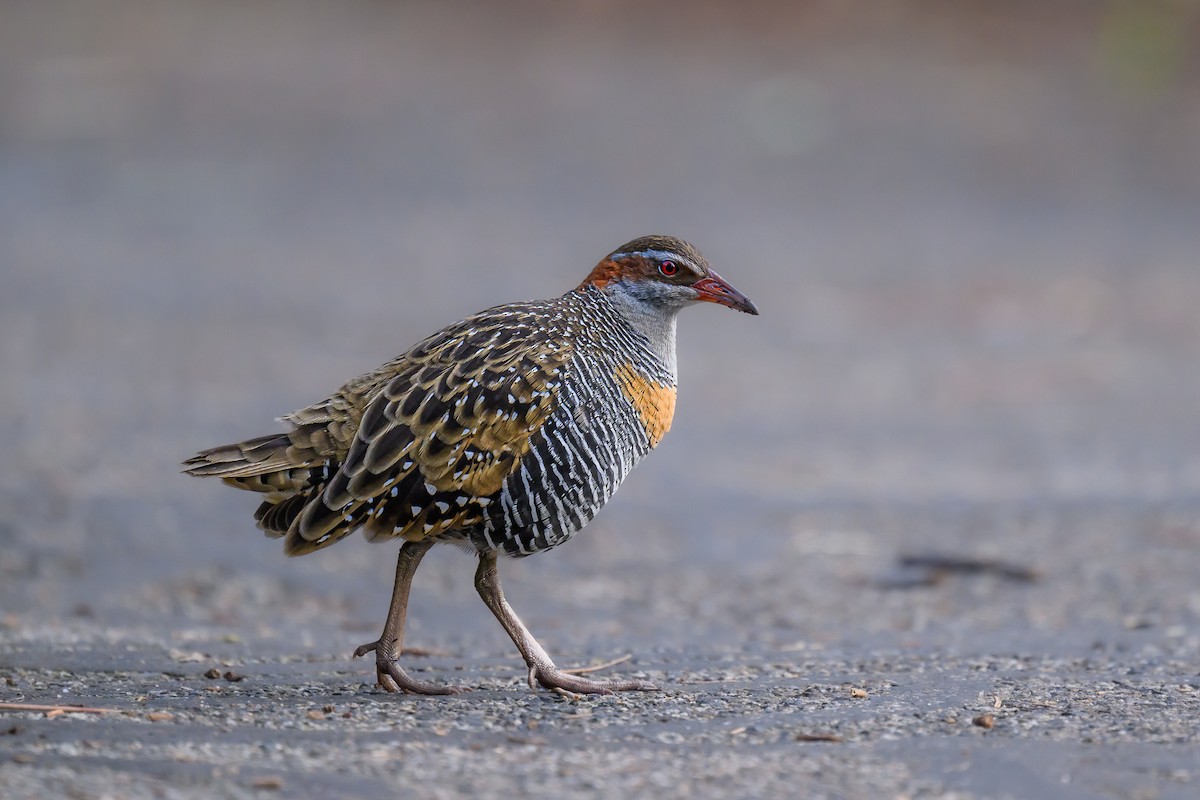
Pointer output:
x,y
651,320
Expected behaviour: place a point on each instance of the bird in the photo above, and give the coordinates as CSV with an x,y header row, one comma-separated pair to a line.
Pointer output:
x,y
503,433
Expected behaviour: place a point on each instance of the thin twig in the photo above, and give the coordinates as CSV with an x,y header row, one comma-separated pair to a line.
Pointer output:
x,y
64,709
598,667
425,652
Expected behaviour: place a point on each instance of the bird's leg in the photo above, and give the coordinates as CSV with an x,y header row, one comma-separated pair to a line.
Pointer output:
x,y
387,649
541,667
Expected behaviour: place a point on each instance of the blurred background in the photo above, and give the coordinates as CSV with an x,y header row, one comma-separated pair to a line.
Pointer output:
x,y
972,228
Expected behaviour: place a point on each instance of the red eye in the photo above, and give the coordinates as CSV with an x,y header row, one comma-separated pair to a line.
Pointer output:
x,y
668,268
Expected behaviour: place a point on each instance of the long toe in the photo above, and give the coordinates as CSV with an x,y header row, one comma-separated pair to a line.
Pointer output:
x,y
388,671
557,679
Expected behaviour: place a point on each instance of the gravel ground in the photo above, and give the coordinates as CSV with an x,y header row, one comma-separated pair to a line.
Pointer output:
x,y
928,527
744,723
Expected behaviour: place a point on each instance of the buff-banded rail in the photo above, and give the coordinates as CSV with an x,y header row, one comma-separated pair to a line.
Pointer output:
x,y
504,433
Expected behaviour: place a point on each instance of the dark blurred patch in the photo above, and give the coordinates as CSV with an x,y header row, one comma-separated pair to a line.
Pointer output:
x,y
931,569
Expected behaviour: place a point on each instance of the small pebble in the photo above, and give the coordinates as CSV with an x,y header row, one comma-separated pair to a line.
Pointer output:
x,y
986,721
213,674
233,677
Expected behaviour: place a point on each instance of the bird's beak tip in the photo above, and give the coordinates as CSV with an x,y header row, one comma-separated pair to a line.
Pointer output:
x,y
715,289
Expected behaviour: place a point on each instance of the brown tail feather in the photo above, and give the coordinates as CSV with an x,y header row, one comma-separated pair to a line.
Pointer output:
x,y
259,456
291,469
273,465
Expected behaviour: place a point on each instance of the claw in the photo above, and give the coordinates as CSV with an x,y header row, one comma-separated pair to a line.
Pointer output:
x,y
391,678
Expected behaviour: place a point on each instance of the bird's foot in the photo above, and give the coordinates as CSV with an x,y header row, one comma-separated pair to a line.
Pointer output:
x,y
561,681
390,676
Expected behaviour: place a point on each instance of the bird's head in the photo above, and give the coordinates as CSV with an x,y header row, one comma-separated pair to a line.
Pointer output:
x,y
665,273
